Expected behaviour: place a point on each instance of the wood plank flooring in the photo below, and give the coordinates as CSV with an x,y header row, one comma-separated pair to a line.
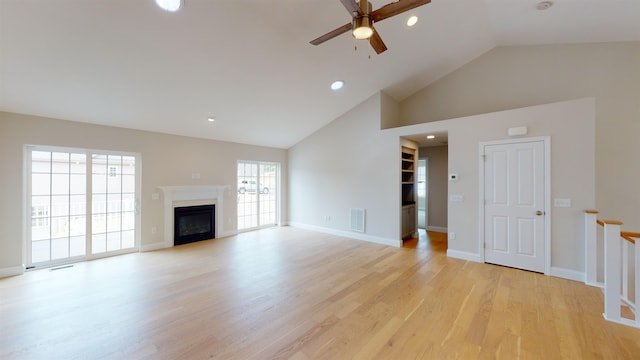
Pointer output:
x,y
287,293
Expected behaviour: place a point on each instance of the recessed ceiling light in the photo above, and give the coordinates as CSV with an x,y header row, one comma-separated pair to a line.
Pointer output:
x,y
169,5
544,5
337,85
412,20
211,119
431,137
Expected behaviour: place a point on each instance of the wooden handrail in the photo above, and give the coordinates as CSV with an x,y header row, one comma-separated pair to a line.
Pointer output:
x,y
627,235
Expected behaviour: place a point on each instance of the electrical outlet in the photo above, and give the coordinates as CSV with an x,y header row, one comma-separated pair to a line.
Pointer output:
x,y
327,218
195,176
452,236
153,230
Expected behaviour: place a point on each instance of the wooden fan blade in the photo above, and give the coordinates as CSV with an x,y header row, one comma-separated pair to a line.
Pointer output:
x,y
395,8
352,7
331,34
376,43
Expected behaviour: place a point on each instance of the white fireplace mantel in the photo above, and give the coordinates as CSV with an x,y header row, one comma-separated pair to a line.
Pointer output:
x,y
178,196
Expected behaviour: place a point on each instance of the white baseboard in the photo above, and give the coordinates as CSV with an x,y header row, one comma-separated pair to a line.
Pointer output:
x,y
152,247
568,274
12,271
595,284
463,255
437,229
349,234
226,234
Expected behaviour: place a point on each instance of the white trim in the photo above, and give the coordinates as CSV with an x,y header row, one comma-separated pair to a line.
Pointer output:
x,y
597,284
568,274
12,271
439,229
153,247
622,321
463,255
348,234
546,140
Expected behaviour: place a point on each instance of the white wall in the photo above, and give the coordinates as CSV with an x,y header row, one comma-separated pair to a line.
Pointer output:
x,y
514,77
349,163
166,160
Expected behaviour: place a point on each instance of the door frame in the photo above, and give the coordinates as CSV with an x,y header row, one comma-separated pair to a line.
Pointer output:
x,y
546,140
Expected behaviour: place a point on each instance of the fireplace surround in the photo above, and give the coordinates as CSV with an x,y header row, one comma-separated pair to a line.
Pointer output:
x,y
185,196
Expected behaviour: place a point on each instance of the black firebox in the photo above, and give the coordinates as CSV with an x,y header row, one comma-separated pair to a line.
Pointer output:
x,y
194,223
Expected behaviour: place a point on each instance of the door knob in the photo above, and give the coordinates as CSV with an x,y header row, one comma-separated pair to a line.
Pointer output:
x,y
539,213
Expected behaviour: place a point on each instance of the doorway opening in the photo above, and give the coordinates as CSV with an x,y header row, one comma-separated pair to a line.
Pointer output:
x,y
423,186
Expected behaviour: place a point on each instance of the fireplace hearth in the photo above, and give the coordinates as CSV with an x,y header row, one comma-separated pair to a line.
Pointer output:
x,y
194,223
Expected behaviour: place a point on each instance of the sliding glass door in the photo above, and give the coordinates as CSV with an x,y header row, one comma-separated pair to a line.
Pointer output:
x,y
257,194
73,216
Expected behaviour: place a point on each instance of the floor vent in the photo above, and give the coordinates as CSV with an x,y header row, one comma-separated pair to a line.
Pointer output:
x,y
356,220
61,267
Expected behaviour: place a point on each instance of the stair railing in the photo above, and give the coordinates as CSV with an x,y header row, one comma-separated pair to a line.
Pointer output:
x,y
618,245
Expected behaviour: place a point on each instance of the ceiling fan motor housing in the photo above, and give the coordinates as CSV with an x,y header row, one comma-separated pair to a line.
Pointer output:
x,y
362,24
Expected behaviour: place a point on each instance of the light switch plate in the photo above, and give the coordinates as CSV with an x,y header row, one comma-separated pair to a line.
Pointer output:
x,y
456,198
562,203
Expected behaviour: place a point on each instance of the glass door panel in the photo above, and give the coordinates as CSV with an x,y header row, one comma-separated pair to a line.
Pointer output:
x,y
257,194
57,195
114,203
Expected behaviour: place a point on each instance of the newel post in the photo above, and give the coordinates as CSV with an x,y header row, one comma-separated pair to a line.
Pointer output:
x,y
591,247
612,253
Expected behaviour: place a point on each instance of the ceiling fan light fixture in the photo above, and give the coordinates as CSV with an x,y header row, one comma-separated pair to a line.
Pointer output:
x,y
169,5
362,29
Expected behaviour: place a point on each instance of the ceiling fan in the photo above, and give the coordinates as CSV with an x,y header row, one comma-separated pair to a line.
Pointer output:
x,y
363,19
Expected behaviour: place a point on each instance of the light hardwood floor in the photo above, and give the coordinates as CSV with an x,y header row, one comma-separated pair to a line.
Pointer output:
x,y
291,293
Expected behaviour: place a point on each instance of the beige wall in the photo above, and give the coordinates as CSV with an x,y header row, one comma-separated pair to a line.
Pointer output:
x,y
514,77
166,160
437,184
571,128
351,163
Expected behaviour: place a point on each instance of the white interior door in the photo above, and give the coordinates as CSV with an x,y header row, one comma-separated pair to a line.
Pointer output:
x,y
514,192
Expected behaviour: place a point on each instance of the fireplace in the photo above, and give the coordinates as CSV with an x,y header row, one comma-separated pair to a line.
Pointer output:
x,y
194,223
196,195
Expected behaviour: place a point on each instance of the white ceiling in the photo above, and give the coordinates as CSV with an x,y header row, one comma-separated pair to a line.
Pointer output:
x,y
248,63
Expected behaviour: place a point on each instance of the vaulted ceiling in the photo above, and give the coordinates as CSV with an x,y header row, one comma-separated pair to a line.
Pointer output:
x,y
249,64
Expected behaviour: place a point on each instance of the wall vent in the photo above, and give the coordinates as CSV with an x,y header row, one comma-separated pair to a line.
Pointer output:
x,y
356,220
